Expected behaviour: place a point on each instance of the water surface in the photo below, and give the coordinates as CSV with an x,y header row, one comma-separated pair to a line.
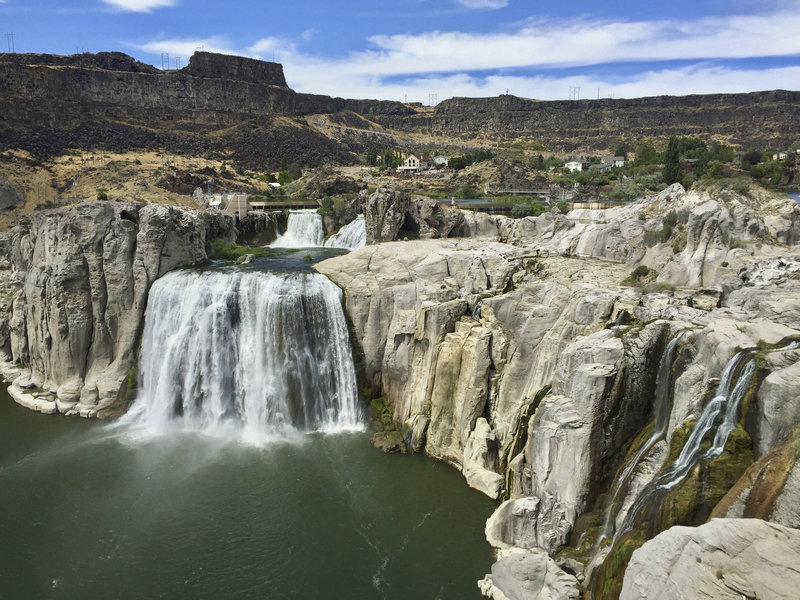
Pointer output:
x,y
91,511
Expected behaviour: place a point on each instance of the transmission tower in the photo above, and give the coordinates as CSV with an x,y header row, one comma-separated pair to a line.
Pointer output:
x,y
177,62
574,93
164,61
433,98
10,41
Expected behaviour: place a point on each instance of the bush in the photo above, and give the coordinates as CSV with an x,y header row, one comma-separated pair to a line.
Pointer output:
x,y
528,209
102,194
562,206
625,191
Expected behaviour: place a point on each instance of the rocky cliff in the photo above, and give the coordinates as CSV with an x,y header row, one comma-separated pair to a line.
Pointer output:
x,y
241,108
747,119
530,361
74,289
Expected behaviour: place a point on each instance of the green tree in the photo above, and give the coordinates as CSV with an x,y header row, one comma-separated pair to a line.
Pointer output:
x,y
647,155
672,162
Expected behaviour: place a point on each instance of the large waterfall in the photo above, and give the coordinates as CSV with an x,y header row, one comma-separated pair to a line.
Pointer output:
x,y
264,353
303,230
352,236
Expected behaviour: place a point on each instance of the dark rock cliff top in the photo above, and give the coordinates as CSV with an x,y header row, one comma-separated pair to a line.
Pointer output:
x,y
108,61
222,66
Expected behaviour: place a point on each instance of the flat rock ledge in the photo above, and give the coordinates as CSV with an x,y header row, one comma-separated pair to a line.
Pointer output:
x,y
723,559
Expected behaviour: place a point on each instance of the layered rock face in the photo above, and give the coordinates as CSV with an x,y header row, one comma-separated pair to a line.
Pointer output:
x,y
74,290
521,360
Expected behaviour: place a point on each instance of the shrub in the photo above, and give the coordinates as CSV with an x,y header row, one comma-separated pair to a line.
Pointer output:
x,y
528,209
102,194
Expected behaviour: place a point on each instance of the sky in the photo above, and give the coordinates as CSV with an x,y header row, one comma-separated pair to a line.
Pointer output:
x,y
430,50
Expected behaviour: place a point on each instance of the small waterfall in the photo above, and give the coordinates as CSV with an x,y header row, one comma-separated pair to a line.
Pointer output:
x,y
352,236
718,415
303,230
660,422
267,354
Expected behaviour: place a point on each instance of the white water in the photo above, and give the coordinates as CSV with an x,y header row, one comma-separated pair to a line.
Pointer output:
x,y
352,236
263,354
727,398
303,230
660,422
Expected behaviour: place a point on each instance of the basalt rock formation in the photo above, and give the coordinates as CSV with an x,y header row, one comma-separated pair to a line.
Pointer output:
x,y
74,289
529,360
242,108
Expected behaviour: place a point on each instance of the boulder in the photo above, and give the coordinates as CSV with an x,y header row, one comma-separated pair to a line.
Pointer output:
x,y
723,559
528,576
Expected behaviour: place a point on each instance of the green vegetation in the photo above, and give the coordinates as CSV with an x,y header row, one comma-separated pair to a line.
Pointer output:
x,y
232,251
102,194
529,209
672,165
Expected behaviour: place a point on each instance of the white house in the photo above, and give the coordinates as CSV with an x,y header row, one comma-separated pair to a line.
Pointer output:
x,y
779,156
414,164
574,165
612,161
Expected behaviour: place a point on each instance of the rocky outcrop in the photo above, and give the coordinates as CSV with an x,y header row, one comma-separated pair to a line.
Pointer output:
x,y
726,558
75,285
769,488
9,196
384,214
239,68
528,576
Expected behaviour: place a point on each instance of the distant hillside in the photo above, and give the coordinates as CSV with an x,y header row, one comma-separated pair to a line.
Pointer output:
x,y
240,108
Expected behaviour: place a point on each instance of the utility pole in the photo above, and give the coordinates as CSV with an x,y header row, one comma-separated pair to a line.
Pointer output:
x,y
10,41
164,61
574,93
177,62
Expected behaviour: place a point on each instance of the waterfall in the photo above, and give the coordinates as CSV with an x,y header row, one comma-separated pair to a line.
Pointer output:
x,y
352,236
660,422
719,416
303,230
267,354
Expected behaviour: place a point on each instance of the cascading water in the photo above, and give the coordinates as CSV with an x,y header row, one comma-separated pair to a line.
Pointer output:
x,y
352,236
660,422
718,415
265,353
303,230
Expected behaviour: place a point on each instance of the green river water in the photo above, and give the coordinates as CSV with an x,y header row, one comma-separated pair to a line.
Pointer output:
x,y
92,511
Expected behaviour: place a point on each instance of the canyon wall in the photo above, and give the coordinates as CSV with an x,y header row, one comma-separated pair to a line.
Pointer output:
x,y
74,289
242,108
523,361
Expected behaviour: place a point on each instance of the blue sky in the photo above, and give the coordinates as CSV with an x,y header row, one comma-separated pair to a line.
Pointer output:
x,y
419,48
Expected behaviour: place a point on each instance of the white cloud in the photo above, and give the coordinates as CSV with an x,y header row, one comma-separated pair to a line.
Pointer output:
x,y
396,66
485,4
140,5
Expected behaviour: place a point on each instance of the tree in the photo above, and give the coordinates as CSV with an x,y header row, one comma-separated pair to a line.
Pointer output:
x,y
646,155
672,162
